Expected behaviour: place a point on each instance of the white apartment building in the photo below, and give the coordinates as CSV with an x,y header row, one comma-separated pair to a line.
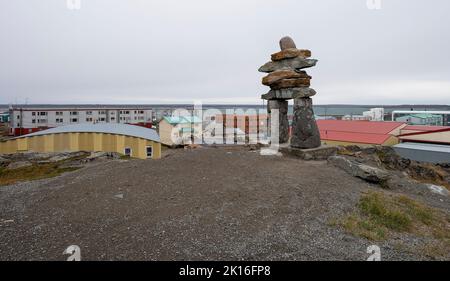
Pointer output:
x,y
375,114
27,119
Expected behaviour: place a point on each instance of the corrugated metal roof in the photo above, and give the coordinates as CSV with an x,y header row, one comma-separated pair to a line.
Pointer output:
x,y
367,127
107,128
367,132
424,146
424,128
354,137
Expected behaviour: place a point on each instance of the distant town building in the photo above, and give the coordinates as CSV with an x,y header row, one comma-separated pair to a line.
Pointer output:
x,y
421,119
426,134
4,117
355,118
375,114
362,133
325,117
130,140
29,119
180,130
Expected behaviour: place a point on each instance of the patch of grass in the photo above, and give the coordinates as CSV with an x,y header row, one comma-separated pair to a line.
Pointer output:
x,y
38,171
378,215
34,172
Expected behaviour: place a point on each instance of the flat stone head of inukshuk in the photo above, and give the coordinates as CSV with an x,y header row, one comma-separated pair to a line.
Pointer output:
x,y
287,43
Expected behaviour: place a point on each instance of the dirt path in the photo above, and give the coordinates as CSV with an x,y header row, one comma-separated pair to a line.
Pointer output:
x,y
204,204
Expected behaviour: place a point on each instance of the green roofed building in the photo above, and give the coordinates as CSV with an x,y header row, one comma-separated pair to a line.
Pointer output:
x,y
180,130
4,117
421,119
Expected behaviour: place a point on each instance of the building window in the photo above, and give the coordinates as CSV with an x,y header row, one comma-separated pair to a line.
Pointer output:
x,y
33,113
149,151
74,120
127,151
113,118
59,113
33,121
102,119
59,120
89,119
73,113
102,112
88,112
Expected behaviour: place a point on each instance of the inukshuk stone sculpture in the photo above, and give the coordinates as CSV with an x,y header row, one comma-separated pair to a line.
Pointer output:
x,y
287,80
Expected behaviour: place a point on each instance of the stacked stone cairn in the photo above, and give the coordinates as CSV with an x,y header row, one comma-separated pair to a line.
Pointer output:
x,y
287,80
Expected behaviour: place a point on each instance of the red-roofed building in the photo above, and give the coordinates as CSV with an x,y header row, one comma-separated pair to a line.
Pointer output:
x,y
425,134
362,133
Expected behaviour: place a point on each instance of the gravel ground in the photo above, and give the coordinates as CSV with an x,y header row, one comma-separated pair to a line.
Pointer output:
x,y
204,204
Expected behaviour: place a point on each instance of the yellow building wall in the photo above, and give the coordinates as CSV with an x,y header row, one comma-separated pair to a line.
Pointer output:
x,y
165,132
82,142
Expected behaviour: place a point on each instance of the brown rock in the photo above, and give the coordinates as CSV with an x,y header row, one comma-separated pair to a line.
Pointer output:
x,y
291,53
287,43
283,74
291,83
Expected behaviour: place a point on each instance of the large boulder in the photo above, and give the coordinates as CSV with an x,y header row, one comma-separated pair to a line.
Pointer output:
x,y
363,171
390,159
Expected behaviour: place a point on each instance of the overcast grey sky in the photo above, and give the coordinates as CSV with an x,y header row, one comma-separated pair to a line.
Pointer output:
x,y
166,51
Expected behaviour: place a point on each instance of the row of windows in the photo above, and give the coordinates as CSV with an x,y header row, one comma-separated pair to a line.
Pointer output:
x,y
129,152
88,119
102,112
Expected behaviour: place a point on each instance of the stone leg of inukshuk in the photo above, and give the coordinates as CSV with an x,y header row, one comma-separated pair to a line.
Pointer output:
x,y
287,80
282,107
305,133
